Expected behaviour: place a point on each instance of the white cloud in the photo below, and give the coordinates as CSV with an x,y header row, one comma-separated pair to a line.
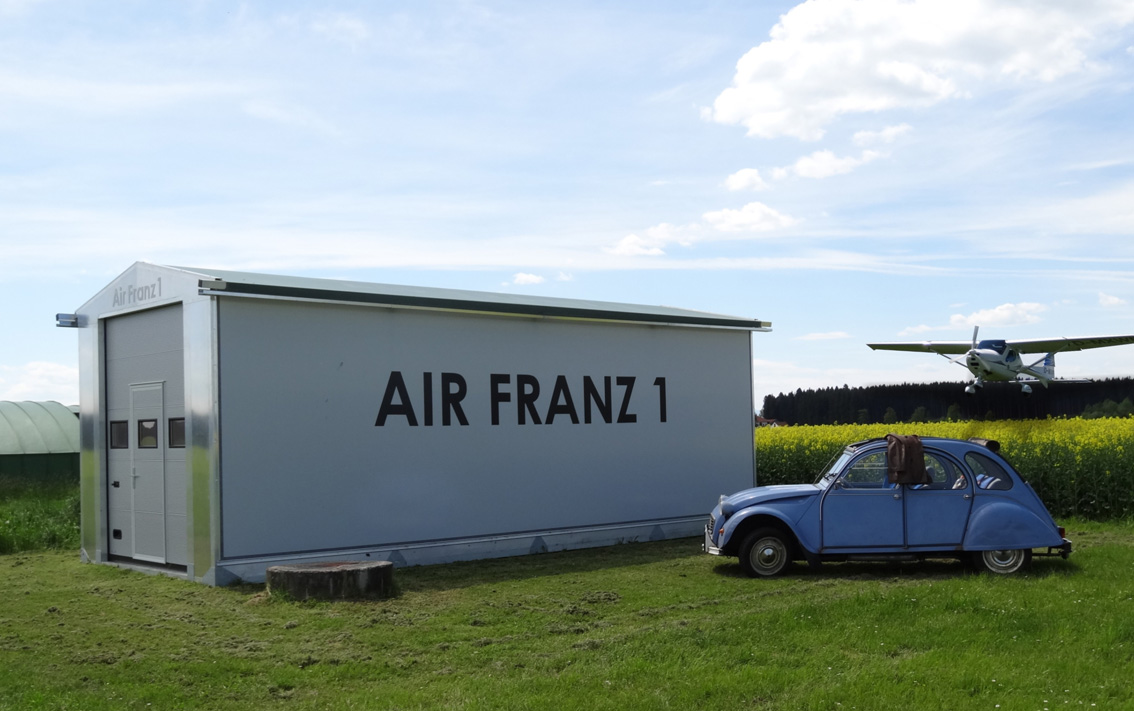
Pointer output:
x,y
753,217
294,117
824,164
1107,212
652,243
885,136
565,276
340,27
524,279
1100,164
107,97
41,381
735,224
16,7
746,179
828,58
1108,300
829,336
1003,315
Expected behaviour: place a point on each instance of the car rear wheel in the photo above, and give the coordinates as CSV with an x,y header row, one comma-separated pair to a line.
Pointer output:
x,y
764,553
1003,562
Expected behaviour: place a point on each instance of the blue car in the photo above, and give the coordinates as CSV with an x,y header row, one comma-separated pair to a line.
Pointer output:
x,y
901,497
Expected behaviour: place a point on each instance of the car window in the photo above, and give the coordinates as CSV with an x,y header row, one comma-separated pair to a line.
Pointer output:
x,y
835,466
944,473
989,474
868,472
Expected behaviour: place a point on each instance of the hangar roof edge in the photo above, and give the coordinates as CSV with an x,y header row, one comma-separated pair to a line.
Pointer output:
x,y
321,289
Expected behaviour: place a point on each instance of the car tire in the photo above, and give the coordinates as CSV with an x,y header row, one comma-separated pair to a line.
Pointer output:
x,y
765,552
1003,562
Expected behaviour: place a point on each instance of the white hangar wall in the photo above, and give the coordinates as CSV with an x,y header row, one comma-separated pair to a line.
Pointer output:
x,y
308,419
331,441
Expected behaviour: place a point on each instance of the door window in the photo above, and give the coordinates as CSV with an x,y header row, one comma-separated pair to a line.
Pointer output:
x,y
120,435
147,434
989,474
869,472
943,473
177,433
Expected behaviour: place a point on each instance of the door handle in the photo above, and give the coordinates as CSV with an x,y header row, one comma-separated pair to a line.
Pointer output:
x,y
897,496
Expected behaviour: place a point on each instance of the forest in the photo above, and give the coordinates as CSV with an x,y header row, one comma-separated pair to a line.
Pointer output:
x,y
932,402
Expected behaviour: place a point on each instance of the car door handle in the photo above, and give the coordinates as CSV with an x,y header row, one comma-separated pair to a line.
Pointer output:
x,y
897,496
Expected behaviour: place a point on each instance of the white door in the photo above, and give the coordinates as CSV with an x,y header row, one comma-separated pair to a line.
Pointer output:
x,y
145,452
147,455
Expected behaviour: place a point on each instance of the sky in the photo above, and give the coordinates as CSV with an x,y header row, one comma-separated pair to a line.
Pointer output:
x,y
852,172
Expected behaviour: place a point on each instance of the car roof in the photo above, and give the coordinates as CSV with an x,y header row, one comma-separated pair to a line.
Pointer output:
x,y
955,446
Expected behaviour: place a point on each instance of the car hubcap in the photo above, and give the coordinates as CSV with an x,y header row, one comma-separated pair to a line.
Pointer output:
x,y
769,555
1004,560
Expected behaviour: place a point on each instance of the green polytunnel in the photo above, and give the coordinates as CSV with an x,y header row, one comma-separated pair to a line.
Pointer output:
x,y
38,439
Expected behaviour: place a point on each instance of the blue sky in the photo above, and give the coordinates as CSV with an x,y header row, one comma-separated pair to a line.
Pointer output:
x,y
849,171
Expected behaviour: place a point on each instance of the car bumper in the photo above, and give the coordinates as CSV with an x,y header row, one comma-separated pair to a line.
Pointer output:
x,y
1063,550
707,544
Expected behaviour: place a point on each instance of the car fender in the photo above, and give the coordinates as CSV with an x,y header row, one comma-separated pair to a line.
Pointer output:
x,y
738,522
1003,524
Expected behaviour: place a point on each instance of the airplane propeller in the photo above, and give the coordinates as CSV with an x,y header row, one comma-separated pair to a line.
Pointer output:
x,y
978,383
958,359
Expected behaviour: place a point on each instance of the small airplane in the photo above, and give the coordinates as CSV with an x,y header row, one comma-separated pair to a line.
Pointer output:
x,y
1000,360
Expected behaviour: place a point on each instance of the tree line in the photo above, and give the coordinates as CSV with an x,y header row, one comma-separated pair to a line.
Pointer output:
x,y
930,402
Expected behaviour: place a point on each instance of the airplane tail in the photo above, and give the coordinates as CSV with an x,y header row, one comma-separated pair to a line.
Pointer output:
x,y
1046,372
1042,371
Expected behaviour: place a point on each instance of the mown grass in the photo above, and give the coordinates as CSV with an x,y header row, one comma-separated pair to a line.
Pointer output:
x,y
641,626
38,513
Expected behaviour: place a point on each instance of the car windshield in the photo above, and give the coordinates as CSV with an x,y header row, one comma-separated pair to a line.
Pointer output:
x,y
834,466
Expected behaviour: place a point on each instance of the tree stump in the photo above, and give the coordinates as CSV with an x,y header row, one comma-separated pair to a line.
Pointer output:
x,y
342,580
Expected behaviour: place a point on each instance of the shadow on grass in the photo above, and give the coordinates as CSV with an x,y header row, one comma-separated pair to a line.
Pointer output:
x,y
465,574
496,570
888,570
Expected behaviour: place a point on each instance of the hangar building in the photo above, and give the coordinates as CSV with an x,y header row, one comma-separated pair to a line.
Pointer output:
x,y
38,441
232,421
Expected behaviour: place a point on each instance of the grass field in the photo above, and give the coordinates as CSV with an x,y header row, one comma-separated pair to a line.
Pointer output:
x,y
641,626
38,513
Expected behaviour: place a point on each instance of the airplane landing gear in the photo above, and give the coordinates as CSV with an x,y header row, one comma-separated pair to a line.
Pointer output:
x,y
972,387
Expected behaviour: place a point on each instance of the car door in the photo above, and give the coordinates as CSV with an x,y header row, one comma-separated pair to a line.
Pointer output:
x,y
862,509
937,513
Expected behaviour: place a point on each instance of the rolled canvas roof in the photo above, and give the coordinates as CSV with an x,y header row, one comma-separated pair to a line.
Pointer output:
x,y
37,428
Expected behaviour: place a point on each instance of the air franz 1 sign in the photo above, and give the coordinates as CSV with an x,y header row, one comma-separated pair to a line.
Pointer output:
x,y
606,399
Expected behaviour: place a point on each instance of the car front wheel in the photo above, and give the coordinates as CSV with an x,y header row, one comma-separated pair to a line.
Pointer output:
x,y
1003,562
764,553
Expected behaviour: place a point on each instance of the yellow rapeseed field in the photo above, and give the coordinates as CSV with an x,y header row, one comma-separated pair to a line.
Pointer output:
x,y
1078,467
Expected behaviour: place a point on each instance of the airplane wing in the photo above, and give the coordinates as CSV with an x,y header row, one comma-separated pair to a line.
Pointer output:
x,y
942,347
1059,345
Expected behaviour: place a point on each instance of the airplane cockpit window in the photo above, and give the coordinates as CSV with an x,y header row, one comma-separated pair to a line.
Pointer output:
x,y
998,346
